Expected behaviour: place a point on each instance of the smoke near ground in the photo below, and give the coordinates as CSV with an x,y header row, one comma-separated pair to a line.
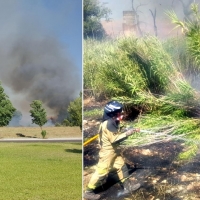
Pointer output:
x,y
144,9
35,65
165,28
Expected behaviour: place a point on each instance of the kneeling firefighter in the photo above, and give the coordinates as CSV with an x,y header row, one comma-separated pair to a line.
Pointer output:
x,y
109,138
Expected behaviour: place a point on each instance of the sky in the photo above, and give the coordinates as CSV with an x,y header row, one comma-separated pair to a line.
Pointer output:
x,y
143,7
41,53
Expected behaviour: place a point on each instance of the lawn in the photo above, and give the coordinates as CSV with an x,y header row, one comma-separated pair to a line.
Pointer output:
x,y
40,171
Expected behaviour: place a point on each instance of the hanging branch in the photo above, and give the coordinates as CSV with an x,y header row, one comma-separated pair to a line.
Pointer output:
x,y
154,21
186,9
137,17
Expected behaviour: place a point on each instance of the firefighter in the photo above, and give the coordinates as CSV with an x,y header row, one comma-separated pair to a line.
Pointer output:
x,y
109,139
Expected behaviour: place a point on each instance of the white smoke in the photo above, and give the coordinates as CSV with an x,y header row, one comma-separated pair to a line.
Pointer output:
x,y
143,7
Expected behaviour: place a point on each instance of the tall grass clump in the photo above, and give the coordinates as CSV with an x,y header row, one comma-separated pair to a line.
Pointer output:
x,y
94,59
176,48
113,74
154,62
144,74
191,32
163,128
136,71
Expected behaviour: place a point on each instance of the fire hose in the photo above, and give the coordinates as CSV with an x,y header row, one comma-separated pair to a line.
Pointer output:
x,y
90,140
97,135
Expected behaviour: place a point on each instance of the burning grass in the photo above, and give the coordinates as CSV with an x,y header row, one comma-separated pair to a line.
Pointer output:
x,y
158,172
35,132
159,129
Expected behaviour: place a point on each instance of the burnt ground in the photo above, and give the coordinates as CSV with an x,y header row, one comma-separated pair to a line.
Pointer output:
x,y
155,167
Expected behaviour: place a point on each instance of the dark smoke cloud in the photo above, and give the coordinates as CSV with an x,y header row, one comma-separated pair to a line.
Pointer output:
x,y
33,62
42,71
39,69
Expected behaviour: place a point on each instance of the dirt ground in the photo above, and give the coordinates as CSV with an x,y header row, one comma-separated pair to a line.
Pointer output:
x,y
154,167
35,132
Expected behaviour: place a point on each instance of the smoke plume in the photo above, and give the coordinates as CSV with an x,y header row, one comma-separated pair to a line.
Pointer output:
x,y
35,65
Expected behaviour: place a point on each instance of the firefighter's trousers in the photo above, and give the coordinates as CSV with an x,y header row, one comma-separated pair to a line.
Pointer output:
x,y
108,159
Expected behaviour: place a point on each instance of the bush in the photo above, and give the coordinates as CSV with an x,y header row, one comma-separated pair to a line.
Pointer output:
x,y
43,133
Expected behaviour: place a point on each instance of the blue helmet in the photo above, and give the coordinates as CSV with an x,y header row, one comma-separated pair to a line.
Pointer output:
x,y
111,109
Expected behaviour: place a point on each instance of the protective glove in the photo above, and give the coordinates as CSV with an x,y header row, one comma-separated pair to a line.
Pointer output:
x,y
132,130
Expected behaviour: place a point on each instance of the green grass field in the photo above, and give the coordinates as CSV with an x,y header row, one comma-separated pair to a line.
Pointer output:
x,y
40,171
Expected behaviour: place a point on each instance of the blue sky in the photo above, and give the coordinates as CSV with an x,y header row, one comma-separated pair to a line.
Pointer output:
x,y
61,18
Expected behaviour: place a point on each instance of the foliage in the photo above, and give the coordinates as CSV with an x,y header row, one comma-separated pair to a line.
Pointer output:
x,y
162,128
154,62
145,75
95,113
66,122
94,54
176,47
138,72
75,113
93,12
6,108
154,79
191,30
189,154
43,133
38,113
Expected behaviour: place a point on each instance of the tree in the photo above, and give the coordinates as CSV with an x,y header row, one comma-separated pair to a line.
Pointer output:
x,y
75,113
6,108
93,12
38,115
154,21
137,20
186,9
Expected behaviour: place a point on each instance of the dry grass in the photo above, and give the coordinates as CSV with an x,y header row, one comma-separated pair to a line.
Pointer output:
x,y
35,132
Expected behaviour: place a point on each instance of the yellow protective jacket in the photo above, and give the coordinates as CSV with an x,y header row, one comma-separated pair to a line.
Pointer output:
x,y
110,136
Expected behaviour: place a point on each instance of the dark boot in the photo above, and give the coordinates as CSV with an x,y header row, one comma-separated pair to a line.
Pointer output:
x,y
129,187
90,195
